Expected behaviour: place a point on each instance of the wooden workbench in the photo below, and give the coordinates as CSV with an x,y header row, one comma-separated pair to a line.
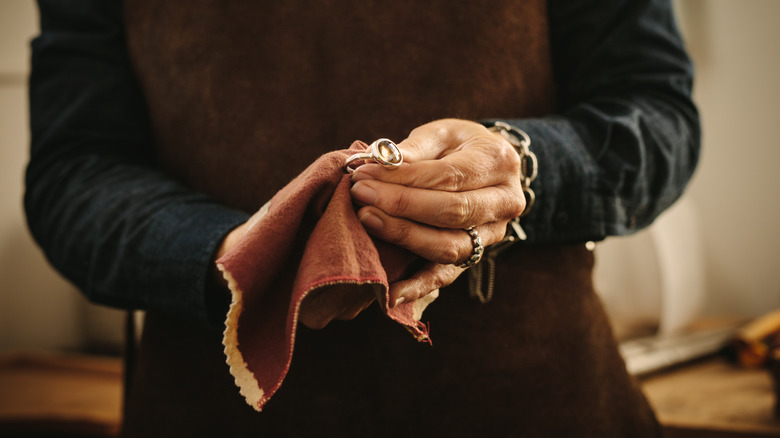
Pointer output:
x,y
713,398
44,393
53,395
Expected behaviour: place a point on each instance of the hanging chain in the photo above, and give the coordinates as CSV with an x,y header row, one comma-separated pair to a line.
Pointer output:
x,y
529,169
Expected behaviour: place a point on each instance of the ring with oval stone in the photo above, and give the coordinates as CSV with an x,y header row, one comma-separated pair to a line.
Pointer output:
x,y
382,151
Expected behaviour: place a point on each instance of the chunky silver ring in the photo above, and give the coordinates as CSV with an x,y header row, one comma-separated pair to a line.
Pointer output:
x,y
476,252
382,151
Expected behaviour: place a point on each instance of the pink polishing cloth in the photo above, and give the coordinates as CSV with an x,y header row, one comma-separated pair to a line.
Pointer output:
x,y
309,239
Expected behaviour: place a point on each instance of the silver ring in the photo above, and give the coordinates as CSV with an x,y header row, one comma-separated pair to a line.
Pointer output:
x,y
382,151
476,252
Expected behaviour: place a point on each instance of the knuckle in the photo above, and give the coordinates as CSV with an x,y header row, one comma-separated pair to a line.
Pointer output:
x,y
400,203
509,156
443,128
450,253
495,233
401,233
438,282
452,178
517,204
458,211
506,156
415,290
445,277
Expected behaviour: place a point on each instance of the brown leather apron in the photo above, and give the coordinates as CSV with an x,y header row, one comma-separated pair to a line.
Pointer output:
x,y
243,96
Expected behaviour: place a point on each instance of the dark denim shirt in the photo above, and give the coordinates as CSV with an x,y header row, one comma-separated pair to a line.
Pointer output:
x,y
619,151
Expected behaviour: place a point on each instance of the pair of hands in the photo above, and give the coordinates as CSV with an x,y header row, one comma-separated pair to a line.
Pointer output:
x,y
456,174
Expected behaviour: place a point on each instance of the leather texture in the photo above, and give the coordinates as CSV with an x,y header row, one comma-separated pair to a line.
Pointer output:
x,y
243,96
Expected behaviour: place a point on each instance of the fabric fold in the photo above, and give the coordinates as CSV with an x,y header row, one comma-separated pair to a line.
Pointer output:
x,y
309,239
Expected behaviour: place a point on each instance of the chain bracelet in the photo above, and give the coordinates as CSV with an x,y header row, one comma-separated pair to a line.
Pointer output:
x,y
529,169
529,165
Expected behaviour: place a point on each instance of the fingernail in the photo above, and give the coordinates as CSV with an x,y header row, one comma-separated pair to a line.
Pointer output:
x,y
363,193
399,301
371,221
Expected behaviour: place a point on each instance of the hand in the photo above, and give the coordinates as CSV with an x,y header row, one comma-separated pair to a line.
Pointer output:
x,y
319,307
456,174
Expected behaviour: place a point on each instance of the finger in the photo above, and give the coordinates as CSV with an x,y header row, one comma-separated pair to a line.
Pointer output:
x,y
468,170
481,162
439,208
433,276
440,245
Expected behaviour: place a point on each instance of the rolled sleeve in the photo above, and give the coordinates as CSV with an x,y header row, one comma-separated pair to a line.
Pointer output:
x,y
123,232
625,139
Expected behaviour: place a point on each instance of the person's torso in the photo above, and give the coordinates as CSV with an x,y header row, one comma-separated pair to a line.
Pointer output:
x,y
244,95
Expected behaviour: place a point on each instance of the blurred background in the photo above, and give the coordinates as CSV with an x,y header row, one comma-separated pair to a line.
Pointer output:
x,y
38,309
717,252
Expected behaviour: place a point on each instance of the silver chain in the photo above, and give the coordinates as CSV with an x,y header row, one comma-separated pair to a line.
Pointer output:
x,y
529,169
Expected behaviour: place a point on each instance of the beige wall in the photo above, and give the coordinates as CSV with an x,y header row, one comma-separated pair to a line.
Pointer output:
x,y
38,309
736,46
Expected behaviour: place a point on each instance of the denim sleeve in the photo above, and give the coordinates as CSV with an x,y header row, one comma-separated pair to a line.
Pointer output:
x,y
105,217
625,139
